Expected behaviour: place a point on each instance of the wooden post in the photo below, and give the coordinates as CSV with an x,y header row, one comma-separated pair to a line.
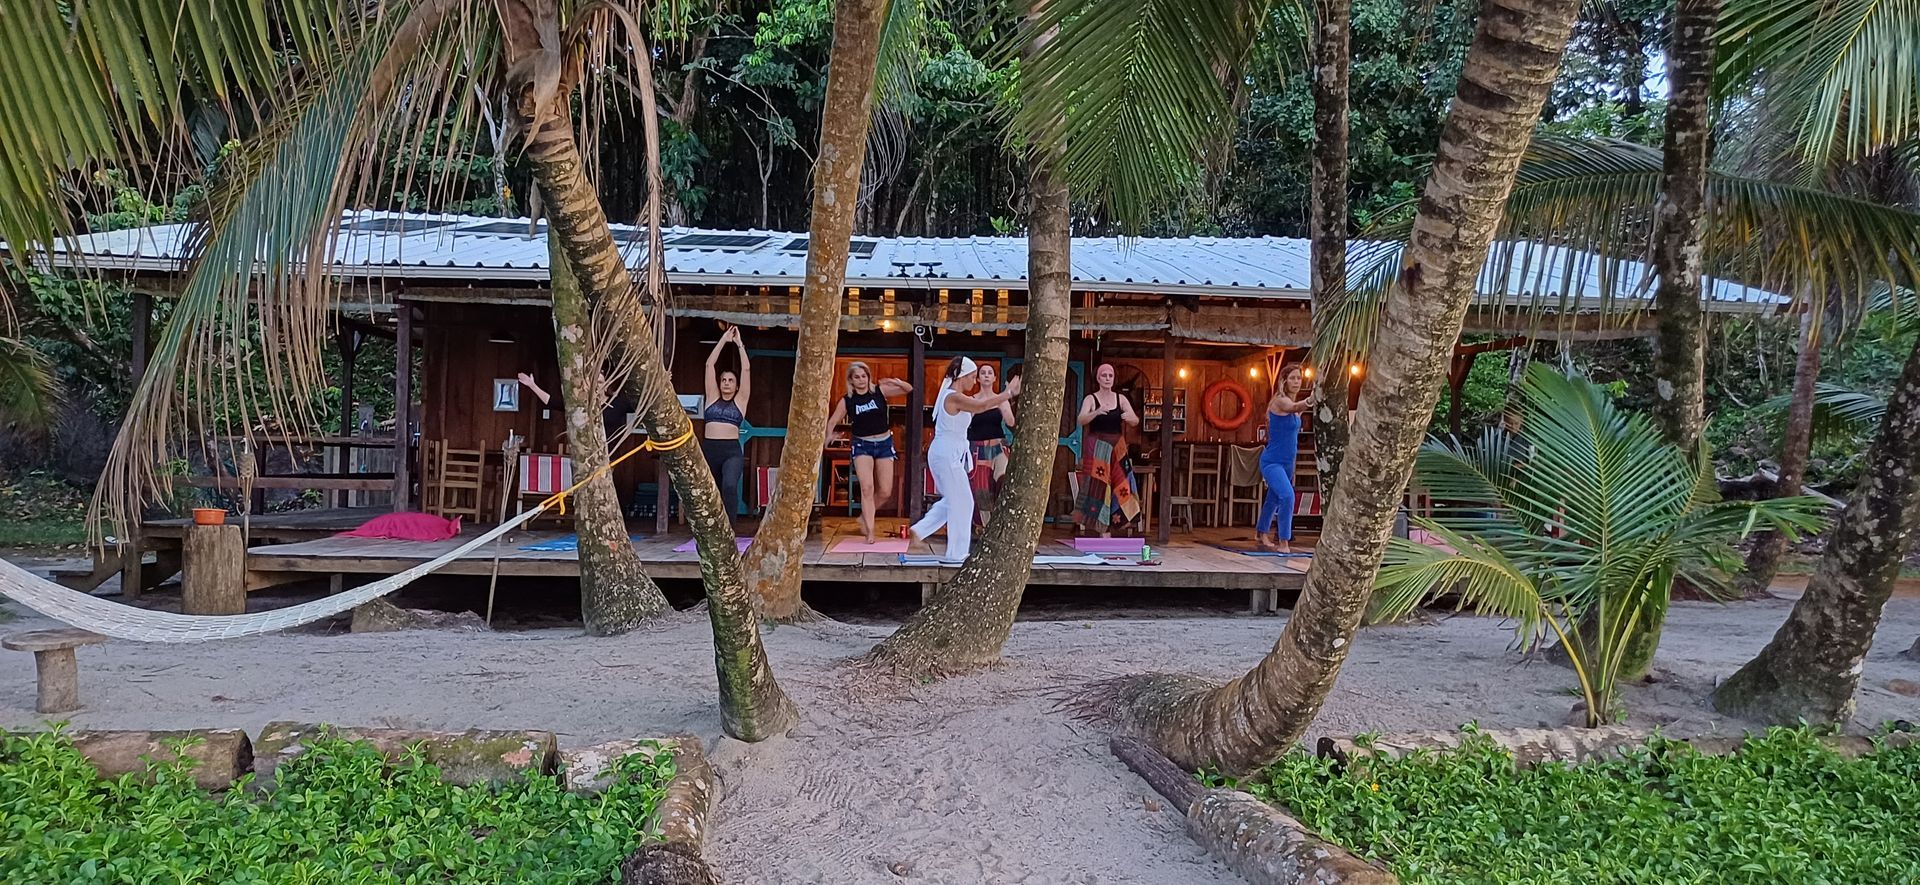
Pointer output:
x,y
140,332
916,504
1164,503
213,572
348,342
1456,382
131,574
403,408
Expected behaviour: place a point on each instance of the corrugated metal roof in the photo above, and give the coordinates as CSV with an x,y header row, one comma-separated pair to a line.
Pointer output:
x,y
470,249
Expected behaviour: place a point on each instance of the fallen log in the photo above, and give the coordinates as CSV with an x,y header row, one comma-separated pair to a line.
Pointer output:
x,y
681,821
219,756
1533,746
1264,844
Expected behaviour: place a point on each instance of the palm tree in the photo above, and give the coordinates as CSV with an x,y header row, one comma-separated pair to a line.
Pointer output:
x,y
1327,223
1587,515
967,621
367,79
1846,72
1243,724
773,562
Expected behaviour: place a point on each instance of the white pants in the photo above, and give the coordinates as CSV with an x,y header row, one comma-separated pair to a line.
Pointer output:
x,y
952,480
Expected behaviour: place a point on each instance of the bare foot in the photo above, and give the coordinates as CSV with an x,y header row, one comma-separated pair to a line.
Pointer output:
x,y
1261,542
1282,547
871,539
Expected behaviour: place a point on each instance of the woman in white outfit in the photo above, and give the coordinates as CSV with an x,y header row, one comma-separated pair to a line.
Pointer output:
x,y
950,456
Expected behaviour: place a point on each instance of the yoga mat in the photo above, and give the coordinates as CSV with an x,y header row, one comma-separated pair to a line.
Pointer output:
x,y
567,544
1109,545
924,559
859,545
690,546
934,559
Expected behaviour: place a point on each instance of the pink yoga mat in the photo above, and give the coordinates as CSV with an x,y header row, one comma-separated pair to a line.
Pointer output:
x,y
1108,545
688,547
884,545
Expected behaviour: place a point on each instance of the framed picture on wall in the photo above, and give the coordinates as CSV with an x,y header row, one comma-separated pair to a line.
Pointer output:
x,y
506,395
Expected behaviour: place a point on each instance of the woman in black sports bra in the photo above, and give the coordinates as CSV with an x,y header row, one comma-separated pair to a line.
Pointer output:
x,y
726,410
864,410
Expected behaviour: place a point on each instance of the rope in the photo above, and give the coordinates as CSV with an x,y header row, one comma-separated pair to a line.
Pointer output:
x,y
89,612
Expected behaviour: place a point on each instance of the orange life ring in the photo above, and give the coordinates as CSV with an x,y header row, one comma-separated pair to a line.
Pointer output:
x,y
1239,392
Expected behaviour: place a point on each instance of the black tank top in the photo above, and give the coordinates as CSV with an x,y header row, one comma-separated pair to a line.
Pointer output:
x,y
867,413
987,427
1107,421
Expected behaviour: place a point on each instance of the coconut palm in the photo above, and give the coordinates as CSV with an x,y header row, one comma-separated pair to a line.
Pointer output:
x,y
1587,514
773,562
323,91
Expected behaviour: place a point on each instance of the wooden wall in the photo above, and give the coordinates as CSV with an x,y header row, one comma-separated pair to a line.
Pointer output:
x,y
460,362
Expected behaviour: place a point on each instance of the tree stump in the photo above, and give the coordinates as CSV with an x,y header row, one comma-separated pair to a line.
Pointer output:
x,y
213,571
54,662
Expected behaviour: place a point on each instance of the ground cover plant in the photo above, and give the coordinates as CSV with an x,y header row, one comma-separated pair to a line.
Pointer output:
x,y
1784,809
340,813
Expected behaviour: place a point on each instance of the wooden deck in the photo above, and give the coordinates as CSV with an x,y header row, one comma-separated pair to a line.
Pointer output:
x,y
1191,561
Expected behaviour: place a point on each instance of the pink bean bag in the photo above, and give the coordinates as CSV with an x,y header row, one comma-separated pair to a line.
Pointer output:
x,y
407,527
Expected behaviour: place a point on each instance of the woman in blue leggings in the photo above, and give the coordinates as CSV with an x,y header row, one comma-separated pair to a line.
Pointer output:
x,y
1276,463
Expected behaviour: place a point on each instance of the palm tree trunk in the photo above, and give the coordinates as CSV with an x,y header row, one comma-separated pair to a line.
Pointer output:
x,y
968,619
615,593
773,562
1796,444
1680,352
1332,37
752,705
1811,668
1255,718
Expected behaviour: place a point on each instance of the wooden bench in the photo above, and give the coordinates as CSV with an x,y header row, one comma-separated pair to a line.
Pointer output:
x,y
53,659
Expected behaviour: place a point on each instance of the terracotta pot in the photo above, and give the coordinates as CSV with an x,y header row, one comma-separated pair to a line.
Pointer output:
x,y
209,516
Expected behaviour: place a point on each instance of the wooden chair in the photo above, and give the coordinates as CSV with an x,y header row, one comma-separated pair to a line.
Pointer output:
x,y
1204,477
430,475
462,479
1244,484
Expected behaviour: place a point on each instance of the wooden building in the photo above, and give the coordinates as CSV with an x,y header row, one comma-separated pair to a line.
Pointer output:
x,y
1197,328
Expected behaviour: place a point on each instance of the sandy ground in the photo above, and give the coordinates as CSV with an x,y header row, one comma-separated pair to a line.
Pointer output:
x,y
973,780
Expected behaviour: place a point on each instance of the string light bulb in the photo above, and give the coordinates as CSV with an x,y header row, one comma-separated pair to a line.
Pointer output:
x,y
1353,369
1307,373
1253,372
1183,373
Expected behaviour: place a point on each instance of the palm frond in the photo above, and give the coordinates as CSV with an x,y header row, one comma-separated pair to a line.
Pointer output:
x,y
1846,71
111,83
1134,92
1839,411
1478,574
257,291
1580,218
28,391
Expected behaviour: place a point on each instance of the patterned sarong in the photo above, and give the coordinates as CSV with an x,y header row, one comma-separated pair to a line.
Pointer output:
x,y
986,486
1106,483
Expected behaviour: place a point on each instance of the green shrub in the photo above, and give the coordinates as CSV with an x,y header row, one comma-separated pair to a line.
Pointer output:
x,y
1785,809
340,814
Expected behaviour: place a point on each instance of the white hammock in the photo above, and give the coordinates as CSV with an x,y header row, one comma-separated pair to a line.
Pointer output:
x,y
89,612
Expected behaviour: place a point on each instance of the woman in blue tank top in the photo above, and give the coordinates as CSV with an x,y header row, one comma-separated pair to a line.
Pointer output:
x,y
1277,462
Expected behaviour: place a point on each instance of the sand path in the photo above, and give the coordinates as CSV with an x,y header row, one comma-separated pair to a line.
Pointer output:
x,y
974,780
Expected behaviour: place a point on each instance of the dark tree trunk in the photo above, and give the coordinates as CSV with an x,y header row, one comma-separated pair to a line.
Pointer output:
x,y
615,593
1679,365
968,619
773,562
1253,719
752,705
1811,668
1796,443
1332,36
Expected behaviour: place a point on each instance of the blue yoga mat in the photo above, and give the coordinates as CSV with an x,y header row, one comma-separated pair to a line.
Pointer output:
x,y
1273,553
567,544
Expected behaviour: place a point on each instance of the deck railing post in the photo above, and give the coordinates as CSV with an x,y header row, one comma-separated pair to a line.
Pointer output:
x,y
1163,500
403,407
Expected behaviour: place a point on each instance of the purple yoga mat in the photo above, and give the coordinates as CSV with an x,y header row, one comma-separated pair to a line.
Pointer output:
x,y
1108,545
688,547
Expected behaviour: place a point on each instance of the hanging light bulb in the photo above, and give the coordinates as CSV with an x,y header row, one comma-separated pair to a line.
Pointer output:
x,y
1353,369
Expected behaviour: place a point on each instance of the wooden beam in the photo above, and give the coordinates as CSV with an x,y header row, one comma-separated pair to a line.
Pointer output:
x,y
916,427
1163,503
403,410
141,332
370,483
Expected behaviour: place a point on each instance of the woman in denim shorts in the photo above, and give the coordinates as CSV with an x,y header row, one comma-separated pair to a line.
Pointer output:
x,y
864,409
